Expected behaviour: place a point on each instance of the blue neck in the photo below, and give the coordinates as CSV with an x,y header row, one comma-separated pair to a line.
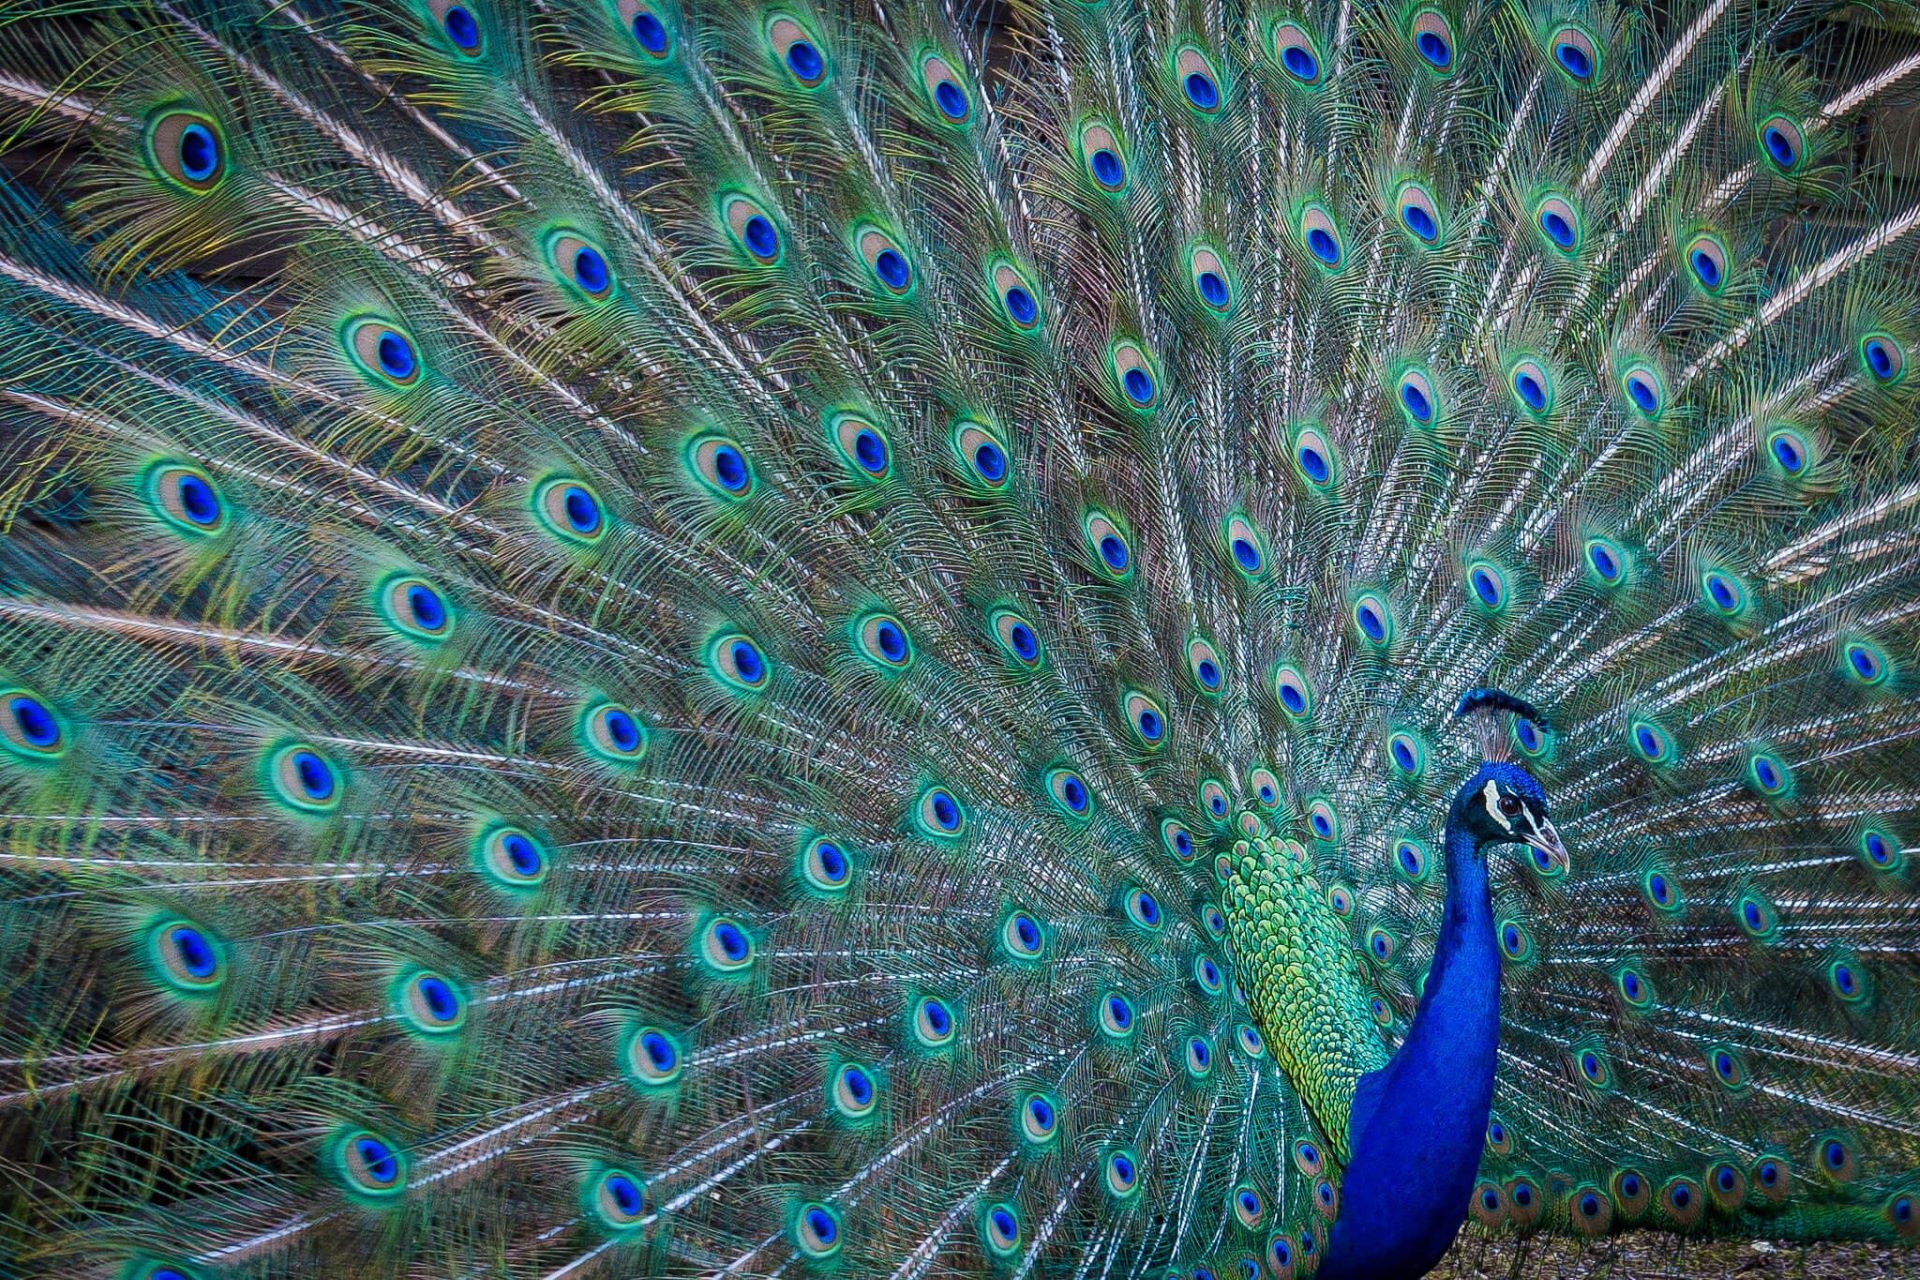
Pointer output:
x,y
1419,1123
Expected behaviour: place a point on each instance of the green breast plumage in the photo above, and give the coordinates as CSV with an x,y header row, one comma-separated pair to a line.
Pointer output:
x,y
1298,967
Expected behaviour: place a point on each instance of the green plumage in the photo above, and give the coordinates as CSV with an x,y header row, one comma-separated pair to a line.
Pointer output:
x,y
717,639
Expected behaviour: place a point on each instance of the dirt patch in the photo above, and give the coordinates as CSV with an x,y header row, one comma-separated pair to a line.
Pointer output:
x,y
1650,1255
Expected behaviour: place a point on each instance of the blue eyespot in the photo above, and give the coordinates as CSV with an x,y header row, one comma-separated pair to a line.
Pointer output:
x,y
660,1052
1002,1229
1374,622
1107,169
1787,453
1146,718
376,1158
623,1195
892,269
933,1022
1213,289
825,865
870,451
1116,1015
1434,49
196,150
720,464
944,87
816,1230
1139,386
197,500
396,353
1575,53
1781,142
1294,49
1040,1117
1528,387
590,270
1207,973
304,779
1144,909
989,461
1417,401
725,946
761,238
32,729
1202,92
1725,594
621,729
189,956
1420,221
510,858
890,641
570,510
1214,796
805,61
461,28
853,1091
583,513
1016,295
939,814
438,998
1651,742
1556,217
1885,358
368,1164
1410,858
650,33
1605,562
1644,394
1632,987
1178,839
1768,774
1323,245
952,101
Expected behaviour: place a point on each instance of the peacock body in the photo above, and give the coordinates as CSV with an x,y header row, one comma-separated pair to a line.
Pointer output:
x,y
645,638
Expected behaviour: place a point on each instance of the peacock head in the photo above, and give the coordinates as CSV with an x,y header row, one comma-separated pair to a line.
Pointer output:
x,y
1503,804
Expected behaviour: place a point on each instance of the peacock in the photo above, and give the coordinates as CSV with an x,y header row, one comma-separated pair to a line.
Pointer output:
x,y
1167,639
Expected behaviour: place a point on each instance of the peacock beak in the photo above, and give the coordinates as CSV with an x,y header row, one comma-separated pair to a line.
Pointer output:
x,y
1545,842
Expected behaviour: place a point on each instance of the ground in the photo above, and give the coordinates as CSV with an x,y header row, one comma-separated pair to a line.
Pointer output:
x,y
1645,1255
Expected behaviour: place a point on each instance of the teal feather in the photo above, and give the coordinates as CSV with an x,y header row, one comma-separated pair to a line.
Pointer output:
x,y
656,638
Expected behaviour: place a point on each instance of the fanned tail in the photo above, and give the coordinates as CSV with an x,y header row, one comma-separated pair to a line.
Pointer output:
x,y
645,639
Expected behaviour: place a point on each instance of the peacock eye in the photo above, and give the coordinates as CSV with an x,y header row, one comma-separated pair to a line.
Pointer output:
x,y
1510,805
